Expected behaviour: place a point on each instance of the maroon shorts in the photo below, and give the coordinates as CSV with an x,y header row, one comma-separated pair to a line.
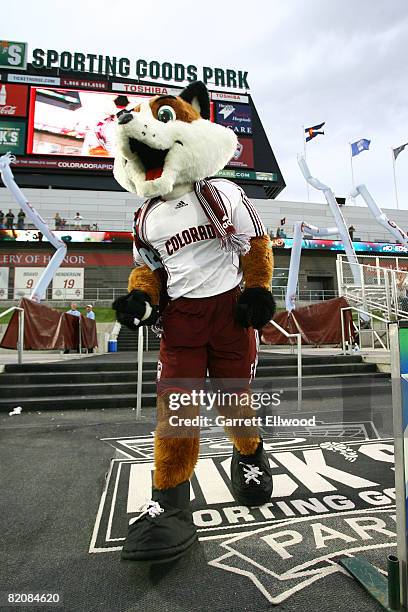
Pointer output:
x,y
200,336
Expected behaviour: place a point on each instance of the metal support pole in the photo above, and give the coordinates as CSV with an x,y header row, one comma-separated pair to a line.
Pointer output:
x,y
343,339
20,340
299,366
139,373
79,336
399,352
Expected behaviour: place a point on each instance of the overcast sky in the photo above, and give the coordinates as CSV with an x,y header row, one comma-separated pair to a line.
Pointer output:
x,y
337,61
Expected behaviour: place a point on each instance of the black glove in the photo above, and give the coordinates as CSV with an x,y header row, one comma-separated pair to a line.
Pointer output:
x,y
133,306
255,308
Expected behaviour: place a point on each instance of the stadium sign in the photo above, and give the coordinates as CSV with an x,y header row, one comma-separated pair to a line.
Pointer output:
x,y
139,68
13,55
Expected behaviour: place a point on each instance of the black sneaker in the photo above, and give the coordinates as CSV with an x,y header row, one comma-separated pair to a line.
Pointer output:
x,y
251,477
164,530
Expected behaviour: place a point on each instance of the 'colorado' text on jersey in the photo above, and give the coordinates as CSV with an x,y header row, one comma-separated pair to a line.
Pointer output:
x,y
189,248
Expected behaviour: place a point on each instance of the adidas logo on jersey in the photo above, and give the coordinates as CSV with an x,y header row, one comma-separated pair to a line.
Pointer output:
x,y
180,205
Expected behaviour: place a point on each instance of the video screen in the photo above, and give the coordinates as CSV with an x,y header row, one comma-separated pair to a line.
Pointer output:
x,y
81,123
77,123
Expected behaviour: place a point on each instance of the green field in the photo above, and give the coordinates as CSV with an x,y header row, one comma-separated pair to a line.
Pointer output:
x,y
103,315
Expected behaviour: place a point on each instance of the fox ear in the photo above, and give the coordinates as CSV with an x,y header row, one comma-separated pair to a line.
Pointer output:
x,y
197,95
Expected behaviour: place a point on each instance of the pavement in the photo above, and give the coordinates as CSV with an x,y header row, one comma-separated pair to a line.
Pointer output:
x,y
72,481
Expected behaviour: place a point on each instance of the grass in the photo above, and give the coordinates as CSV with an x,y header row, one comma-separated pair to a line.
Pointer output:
x,y
103,315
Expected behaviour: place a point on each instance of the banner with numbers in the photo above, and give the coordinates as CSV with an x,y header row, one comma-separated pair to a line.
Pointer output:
x,y
68,284
25,280
4,279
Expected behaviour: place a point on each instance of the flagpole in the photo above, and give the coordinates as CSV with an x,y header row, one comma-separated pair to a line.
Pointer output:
x,y
304,149
395,178
352,172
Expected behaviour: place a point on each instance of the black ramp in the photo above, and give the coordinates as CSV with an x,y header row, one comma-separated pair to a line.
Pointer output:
x,y
70,482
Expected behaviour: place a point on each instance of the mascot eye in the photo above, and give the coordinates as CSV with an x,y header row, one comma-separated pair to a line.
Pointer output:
x,y
166,114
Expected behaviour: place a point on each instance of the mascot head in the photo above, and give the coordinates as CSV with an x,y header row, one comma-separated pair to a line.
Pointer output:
x,y
167,143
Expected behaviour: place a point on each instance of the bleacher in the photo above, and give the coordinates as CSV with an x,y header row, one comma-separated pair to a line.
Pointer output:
x,y
115,210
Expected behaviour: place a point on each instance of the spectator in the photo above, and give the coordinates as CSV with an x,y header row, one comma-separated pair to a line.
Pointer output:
x,y
9,219
20,219
74,310
63,224
351,231
280,232
58,221
90,315
89,312
77,220
1,219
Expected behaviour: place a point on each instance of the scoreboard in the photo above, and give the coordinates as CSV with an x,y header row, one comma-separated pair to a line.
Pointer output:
x,y
60,126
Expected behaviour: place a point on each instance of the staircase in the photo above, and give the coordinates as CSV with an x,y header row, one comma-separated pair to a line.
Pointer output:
x,y
109,381
382,290
128,340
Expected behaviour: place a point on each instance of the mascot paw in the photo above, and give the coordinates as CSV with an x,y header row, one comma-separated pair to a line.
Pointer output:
x,y
134,310
255,308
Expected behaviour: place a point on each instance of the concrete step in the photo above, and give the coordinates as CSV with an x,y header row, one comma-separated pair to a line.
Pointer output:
x,y
112,362
111,385
128,400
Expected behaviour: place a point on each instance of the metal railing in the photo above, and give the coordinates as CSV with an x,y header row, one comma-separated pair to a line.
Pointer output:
x,y
299,357
20,337
373,331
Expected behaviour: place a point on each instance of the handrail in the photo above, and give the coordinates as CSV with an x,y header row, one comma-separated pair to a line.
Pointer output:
x,y
369,314
299,357
20,337
139,373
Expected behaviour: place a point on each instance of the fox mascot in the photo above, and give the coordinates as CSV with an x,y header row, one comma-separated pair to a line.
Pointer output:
x,y
203,271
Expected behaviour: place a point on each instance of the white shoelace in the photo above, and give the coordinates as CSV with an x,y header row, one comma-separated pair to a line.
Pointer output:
x,y
152,508
251,472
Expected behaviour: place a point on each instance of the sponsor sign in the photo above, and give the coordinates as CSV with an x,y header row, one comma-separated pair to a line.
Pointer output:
x,y
248,174
140,68
12,137
235,116
13,100
244,154
68,283
63,164
145,90
337,245
31,79
97,85
330,498
25,280
4,280
229,97
13,55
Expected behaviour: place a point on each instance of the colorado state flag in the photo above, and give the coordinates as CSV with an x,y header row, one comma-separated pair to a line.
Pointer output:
x,y
313,131
361,145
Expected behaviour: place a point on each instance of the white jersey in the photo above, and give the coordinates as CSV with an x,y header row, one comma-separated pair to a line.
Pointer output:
x,y
190,251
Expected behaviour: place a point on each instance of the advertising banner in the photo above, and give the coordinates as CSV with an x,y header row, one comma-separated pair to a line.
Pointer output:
x,y
25,280
229,97
244,154
4,280
68,284
13,55
12,137
13,100
32,79
235,116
